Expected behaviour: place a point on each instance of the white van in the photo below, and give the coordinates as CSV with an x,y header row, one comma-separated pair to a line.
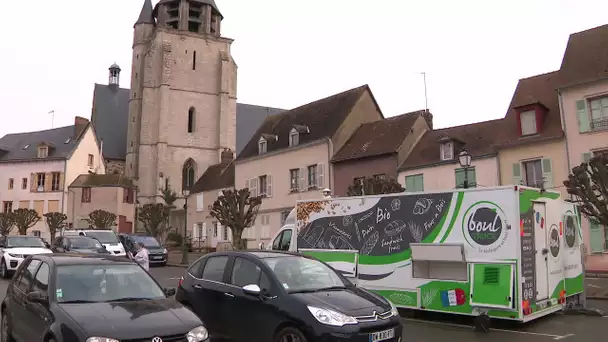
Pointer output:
x,y
107,237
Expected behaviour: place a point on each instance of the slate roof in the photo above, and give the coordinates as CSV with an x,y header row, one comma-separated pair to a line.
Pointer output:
x,y
146,15
539,89
378,137
322,117
110,117
14,144
586,57
477,139
218,176
96,181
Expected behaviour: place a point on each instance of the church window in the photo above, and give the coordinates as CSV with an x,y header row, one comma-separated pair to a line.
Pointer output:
x,y
191,116
188,174
194,60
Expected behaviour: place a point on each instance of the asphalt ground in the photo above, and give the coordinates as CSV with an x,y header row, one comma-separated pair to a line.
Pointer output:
x,y
427,327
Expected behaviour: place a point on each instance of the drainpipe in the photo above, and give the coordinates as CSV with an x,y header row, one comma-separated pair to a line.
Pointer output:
x,y
563,117
65,167
73,206
498,173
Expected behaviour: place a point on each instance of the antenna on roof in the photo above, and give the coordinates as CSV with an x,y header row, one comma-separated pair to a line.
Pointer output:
x,y
426,99
52,118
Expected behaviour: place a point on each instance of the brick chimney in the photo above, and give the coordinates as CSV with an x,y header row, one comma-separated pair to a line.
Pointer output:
x,y
226,156
79,125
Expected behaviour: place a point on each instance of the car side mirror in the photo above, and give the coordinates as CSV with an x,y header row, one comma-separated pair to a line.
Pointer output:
x,y
170,292
37,297
252,290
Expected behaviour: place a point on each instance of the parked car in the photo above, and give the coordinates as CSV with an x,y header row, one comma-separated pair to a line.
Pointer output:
x,y
16,248
158,254
279,296
106,236
72,297
78,244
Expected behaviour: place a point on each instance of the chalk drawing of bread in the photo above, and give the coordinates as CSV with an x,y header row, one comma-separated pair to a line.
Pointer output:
x,y
394,228
313,234
368,246
338,242
422,206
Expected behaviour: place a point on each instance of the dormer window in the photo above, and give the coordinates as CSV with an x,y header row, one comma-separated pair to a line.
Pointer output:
x,y
262,146
447,150
528,122
43,151
294,137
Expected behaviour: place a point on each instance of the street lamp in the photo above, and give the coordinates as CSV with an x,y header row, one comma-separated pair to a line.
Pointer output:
x,y
464,159
185,193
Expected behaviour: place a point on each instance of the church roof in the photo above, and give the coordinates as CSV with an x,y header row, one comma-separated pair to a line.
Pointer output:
x,y
146,16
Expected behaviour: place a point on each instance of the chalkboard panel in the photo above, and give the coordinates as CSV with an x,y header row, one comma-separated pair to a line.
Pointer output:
x,y
387,228
528,254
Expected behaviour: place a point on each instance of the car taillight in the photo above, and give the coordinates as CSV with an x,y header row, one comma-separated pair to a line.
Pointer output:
x,y
181,280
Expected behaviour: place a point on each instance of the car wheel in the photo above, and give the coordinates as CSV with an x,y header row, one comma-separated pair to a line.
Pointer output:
x,y
5,334
290,334
3,269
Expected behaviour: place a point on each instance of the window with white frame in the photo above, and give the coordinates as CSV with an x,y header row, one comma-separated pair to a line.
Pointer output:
x,y
533,172
294,137
528,122
599,113
294,179
214,229
312,176
262,146
263,185
447,151
43,151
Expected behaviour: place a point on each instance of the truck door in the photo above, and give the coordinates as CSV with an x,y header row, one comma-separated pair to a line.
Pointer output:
x,y
282,241
541,251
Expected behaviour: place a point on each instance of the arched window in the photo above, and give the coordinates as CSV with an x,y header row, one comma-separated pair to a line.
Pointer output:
x,y
191,114
188,174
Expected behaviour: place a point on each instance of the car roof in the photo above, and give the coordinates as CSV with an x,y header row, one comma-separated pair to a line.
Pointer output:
x,y
64,259
81,237
22,236
260,254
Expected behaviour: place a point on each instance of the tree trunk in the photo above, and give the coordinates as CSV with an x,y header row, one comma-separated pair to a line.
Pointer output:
x,y
237,242
22,231
53,232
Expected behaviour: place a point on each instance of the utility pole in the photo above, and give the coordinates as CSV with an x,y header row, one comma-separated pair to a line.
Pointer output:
x,y
52,118
426,99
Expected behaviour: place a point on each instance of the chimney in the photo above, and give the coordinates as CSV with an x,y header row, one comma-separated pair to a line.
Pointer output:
x,y
428,117
79,125
226,156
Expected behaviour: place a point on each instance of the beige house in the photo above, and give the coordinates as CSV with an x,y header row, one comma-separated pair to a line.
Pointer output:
x,y
288,158
112,193
206,231
36,167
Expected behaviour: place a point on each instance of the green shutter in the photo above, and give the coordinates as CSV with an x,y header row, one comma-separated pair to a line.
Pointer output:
x,y
583,116
459,174
586,157
472,178
420,183
517,174
410,183
596,236
548,173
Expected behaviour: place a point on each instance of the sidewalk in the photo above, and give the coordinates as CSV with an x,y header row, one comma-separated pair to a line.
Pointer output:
x,y
596,265
175,258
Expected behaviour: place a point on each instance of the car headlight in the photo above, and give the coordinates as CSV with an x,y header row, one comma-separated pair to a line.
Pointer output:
x,y
16,255
394,309
165,251
331,317
198,334
101,339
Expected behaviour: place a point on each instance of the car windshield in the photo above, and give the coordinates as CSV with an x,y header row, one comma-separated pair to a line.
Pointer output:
x,y
103,236
148,241
299,274
105,283
24,241
84,243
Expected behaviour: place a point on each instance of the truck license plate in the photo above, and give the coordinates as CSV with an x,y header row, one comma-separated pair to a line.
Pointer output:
x,y
382,335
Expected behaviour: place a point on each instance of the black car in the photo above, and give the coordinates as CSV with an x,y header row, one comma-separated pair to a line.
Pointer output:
x,y
78,244
92,297
157,254
270,296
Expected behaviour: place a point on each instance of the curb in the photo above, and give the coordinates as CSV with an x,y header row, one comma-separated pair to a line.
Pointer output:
x,y
601,274
597,297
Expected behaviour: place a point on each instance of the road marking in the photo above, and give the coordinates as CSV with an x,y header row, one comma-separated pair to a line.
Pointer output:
x,y
174,278
555,337
592,285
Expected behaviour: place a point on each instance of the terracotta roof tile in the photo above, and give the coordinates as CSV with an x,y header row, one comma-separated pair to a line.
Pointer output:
x,y
378,137
476,138
322,117
586,57
218,176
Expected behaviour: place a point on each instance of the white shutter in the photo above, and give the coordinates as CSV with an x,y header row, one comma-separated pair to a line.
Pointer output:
x,y
268,185
303,186
320,176
254,186
199,202
204,230
195,231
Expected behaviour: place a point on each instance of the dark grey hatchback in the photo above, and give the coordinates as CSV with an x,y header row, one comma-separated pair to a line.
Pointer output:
x,y
273,296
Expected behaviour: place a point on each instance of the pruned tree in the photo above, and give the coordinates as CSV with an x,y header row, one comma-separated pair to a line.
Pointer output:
x,y
155,219
168,194
237,210
7,223
374,186
101,219
25,219
56,222
588,183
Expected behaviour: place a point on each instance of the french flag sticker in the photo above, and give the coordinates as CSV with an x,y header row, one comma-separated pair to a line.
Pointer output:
x,y
452,297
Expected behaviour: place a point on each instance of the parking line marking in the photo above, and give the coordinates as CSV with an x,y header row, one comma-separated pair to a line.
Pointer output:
x,y
555,337
595,286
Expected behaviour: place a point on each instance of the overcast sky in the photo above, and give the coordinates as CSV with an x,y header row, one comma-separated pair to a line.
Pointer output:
x,y
291,52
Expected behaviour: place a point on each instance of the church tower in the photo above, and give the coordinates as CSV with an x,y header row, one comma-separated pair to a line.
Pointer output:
x,y
182,107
